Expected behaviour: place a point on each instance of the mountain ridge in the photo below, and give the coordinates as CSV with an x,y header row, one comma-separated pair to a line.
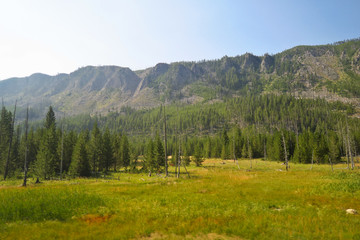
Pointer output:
x,y
331,71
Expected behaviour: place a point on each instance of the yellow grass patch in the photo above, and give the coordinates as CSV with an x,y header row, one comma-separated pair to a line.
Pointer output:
x,y
95,219
209,236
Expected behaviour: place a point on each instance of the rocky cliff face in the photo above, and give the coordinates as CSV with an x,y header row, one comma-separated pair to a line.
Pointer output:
x,y
267,64
334,69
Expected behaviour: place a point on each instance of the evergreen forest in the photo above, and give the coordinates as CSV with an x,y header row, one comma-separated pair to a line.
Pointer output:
x,y
271,127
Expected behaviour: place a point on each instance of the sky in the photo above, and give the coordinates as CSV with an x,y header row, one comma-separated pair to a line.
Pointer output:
x,y
60,36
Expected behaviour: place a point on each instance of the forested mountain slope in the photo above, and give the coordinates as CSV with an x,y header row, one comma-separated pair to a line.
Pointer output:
x,y
330,71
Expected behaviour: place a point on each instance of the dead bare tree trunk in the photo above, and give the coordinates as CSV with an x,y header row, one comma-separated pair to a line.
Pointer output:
x,y
346,151
186,170
62,148
234,148
179,160
331,164
26,146
165,147
10,143
349,145
179,137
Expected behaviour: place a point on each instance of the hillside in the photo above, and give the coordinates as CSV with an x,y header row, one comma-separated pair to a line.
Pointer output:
x,y
329,71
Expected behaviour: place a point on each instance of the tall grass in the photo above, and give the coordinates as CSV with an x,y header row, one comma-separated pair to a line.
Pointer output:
x,y
40,204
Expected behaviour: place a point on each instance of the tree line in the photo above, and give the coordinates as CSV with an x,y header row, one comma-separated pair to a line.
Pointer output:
x,y
278,128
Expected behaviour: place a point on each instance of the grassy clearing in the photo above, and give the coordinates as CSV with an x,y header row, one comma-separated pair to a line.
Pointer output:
x,y
218,202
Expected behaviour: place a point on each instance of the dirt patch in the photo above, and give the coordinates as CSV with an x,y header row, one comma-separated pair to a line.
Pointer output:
x,y
208,236
95,219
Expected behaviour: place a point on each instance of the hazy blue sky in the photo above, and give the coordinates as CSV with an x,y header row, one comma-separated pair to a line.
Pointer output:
x,y
55,36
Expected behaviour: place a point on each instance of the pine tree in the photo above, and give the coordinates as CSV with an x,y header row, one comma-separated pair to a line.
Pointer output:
x,y
276,152
95,148
334,148
7,162
5,131
303,150
125,152
16,163
47,160
244,151
238,142
225,151
116,144
198,159
186,157
80,166
208,147
107,151
150,163
70,140
33,145
50,118
159,153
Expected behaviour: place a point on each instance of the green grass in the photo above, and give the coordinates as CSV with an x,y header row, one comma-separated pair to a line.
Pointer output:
x,y
41,204
219,201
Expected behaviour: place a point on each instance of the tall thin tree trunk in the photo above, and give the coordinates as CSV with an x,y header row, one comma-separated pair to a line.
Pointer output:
x,y
234,148
250,154
312,159
179,163
285,152
174,155
346,151
331,164
349,145
186,169
235,159
62,149
26,146
165,147
10,143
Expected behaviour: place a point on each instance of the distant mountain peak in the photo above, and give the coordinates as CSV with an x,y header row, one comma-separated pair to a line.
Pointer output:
x,y
331,71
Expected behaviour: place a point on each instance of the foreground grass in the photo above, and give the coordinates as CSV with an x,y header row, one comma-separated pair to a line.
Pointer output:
x,y
218,202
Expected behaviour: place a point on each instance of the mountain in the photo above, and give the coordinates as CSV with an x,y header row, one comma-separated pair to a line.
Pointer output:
x,y
330,71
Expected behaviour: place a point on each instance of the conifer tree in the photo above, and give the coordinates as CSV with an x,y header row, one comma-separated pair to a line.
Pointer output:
x,y
125,152
225,152
95,148
47,159
70,139
80,166
244,151
107,151
8,162
46,162
303,149
16,162
150,162
198,159
186,157
50,118
159,153
116,144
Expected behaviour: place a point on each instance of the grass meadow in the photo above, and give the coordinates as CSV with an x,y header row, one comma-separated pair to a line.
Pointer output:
x,y
219,201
